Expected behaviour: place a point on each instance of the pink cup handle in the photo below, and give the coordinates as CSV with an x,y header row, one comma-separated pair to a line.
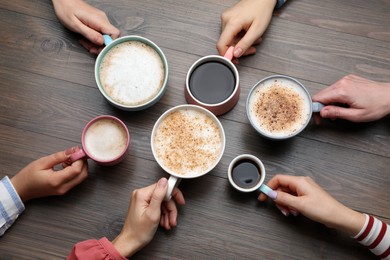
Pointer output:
x,y
77,155
229,53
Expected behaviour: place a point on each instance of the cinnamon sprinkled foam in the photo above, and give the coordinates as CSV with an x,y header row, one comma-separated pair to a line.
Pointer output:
x,y
188,142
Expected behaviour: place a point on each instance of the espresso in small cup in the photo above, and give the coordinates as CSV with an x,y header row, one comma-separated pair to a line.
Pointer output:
x,y
246,173
187,141
131,72
280,107
213,83
105,139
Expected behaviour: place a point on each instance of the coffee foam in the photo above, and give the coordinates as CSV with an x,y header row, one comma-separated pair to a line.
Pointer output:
x,y
279,107
188,142
105,139
132,73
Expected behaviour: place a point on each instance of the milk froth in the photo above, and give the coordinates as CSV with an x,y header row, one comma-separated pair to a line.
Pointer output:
x,y
279,107
132,73
105,139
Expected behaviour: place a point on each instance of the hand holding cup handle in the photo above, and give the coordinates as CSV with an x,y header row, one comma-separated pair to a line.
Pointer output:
x,y
173,182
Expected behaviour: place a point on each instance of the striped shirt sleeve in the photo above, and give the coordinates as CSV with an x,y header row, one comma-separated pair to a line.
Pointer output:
x,y
375,235
280,3
11,206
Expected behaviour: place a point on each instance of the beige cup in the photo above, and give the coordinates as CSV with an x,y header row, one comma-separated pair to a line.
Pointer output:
x,y
187,141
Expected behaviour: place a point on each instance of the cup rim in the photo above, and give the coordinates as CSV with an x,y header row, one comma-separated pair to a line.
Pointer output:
x,y
164,85
213,58
198,108
254,125
254,159
91,122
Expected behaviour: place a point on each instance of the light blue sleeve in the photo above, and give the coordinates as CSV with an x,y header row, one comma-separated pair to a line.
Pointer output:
x,y
280,3
11,206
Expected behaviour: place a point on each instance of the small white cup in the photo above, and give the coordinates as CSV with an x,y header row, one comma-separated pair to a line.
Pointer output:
x,y
250,184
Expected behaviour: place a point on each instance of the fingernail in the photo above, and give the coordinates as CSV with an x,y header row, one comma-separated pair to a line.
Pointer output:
x,y
162,182
294,212
284,212
70,151
238,52
273,195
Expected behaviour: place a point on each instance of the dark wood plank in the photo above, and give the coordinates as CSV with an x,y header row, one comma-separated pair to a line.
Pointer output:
x,y
49,94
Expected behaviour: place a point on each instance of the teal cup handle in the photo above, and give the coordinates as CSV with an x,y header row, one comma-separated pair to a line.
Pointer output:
x,y
107,39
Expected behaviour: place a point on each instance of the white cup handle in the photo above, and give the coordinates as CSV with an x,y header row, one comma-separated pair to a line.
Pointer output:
x,y
172,183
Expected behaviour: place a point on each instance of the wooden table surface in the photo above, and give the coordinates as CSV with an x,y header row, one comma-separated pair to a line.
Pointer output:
x,y
48,94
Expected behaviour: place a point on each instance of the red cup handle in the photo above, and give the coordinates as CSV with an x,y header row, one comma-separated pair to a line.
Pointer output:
x,y
77,156
229,53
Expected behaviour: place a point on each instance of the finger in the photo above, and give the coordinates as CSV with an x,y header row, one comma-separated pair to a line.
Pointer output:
x,y
178,196
250,37
91,34
284,182
56,158
87,45
69,173
287,201
250,51
79,178
158,195
351,114
226,39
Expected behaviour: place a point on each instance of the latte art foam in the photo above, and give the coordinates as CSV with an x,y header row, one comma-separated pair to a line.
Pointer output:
x,y
279,107
132,73
188,142
105,140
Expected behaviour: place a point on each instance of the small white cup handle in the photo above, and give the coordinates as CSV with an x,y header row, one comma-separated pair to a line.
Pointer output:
x,y
317,106
268,191
172,183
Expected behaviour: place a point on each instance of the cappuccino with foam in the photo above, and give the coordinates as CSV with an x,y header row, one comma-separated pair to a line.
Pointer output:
x,y
279,107
188,142
132,73
105,140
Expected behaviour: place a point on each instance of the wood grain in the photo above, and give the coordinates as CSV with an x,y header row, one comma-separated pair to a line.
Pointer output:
x,y
48,94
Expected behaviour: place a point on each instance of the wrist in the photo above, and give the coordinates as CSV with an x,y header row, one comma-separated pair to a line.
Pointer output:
x,y
126,246
347,221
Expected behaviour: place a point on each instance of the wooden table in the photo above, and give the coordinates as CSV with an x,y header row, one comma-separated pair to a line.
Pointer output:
x,y
48,94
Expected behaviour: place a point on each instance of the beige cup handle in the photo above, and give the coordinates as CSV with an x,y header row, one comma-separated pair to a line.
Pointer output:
x,y
172,183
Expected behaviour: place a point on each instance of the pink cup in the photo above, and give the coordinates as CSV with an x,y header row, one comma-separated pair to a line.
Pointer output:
x,y
105,139
213,82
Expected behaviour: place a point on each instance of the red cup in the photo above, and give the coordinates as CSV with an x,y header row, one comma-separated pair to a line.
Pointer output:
x,y
105,140
213,82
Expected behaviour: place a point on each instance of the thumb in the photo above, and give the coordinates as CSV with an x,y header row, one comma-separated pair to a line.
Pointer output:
x,y
333,112
158,195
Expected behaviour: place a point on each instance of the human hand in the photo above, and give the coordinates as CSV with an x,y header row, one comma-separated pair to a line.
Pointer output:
x,y
147,209
366,100
243,25
80,17
39,179
303,195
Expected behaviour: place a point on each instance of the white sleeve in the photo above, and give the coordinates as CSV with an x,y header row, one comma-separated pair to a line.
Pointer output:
x,y
11,206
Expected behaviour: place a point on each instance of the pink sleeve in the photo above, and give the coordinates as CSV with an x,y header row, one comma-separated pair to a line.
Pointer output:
x,y
95,249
